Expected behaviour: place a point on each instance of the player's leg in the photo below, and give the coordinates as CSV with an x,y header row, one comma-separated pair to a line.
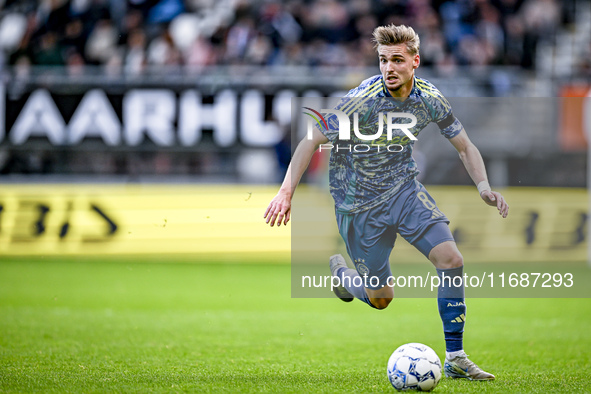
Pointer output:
x,y
354,285
369,242
452,308
451,302
438,245
427,229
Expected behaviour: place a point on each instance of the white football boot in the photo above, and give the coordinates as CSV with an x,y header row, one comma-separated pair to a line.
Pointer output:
x,y
462,367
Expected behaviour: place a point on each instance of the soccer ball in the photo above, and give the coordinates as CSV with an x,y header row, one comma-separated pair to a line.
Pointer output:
x,y
414,366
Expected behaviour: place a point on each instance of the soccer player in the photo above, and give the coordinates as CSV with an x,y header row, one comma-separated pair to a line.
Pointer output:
x,y
377,195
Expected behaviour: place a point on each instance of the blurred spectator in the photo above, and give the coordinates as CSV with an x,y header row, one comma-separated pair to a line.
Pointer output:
x,y
541,17
74,38
75,63
259,50
102,42
48,53
489,29
239,37
135,58
327,20
22,67
200,53
163,52
515,40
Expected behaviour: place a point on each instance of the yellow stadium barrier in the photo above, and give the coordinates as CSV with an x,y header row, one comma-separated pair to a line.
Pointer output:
x,y
155,219
211,222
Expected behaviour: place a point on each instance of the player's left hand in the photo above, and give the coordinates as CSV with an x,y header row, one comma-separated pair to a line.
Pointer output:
x,y
496,199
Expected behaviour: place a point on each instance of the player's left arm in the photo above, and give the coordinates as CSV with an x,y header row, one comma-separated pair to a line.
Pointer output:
x,y
470,156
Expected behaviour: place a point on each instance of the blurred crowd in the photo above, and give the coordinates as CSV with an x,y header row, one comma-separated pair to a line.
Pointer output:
x,y
135,34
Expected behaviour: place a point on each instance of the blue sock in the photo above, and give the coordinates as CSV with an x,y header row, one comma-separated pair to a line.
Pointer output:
x,y
353,286
452,307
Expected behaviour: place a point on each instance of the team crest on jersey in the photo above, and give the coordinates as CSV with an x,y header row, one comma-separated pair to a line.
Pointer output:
x,y
361,267
422,115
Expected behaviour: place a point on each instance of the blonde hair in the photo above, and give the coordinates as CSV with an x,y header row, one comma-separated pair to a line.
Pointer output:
x,y
401,34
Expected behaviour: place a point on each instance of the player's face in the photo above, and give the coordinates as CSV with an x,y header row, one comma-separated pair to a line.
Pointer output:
x,y
398,68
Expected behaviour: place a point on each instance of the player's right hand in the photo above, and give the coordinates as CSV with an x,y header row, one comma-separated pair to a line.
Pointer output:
x,y
279,209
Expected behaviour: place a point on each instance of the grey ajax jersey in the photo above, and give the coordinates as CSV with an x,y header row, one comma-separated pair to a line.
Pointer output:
x,y
365,172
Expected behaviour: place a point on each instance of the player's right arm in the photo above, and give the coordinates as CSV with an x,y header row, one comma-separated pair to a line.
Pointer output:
x,y
279,208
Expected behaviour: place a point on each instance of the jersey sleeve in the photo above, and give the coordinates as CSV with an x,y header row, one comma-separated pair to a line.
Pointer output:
x,y
441,113
450,126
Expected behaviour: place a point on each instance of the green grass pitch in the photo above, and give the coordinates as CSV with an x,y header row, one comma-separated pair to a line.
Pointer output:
x,y
126,326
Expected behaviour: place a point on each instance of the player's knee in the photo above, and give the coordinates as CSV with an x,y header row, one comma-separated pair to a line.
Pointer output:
x,y
452,260
446,255
455,261
380,303
380,298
